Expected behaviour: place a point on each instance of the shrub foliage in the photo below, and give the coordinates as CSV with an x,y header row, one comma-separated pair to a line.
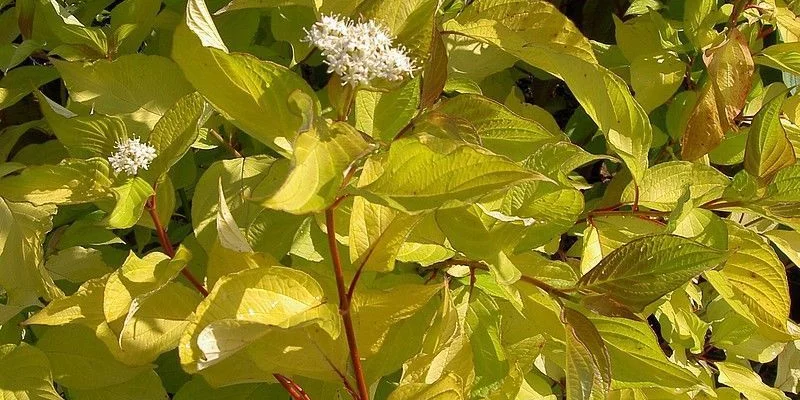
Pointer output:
x,y
409,199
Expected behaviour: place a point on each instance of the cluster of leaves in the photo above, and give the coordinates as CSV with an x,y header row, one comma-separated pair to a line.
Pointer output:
x,y
533,215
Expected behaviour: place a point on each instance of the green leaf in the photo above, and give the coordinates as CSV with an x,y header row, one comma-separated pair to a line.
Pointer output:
x,y
384,115
787,378
79,264
138,277
656,78
139,14
87,136
377,233
199,21
680,326
663,185
22,81
246,90
547,40
228,234
447,388
698,224
478,232
267,231
57,28
588,367
553,209
424,172
131,198
768,149
155,322
747,382
788,242
321,157
645,269
752,270
609,233
22,234
71,182
25,374
146,386
644,36
483,330
12,55
499,129
86,363
412,23
698,22
85,306
245,306
198,389
782,56
637,360
124,87
785,187
377,309
174,133
731,150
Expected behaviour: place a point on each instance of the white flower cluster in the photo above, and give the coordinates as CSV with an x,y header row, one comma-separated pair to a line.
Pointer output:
x,y
359,52
131,155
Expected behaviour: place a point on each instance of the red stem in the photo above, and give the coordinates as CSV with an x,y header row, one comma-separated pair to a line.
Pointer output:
x,y
344,307
165,243
294,389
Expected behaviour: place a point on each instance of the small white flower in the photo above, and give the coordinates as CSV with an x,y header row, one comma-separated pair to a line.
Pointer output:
x,y
131,155
359,52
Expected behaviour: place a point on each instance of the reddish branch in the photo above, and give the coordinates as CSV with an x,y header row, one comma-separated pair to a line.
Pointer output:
x,y
294,389
167,245
344,307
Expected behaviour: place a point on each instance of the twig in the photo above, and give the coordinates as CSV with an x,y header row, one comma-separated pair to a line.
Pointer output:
x,y
344,307
352,288
294,389
738,7
225,144
150,205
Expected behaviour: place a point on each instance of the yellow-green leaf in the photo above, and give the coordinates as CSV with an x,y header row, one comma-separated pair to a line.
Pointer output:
x,y
768,149
588,367
747,382
125,87
73,181
321,156
425,172
663,185
25,374
247,90
246,305
645,269
782,56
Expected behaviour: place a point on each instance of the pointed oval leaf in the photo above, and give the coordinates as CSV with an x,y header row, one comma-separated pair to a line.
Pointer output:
x,y
588,366
645,269
424,172
768,149
276,297
25,374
